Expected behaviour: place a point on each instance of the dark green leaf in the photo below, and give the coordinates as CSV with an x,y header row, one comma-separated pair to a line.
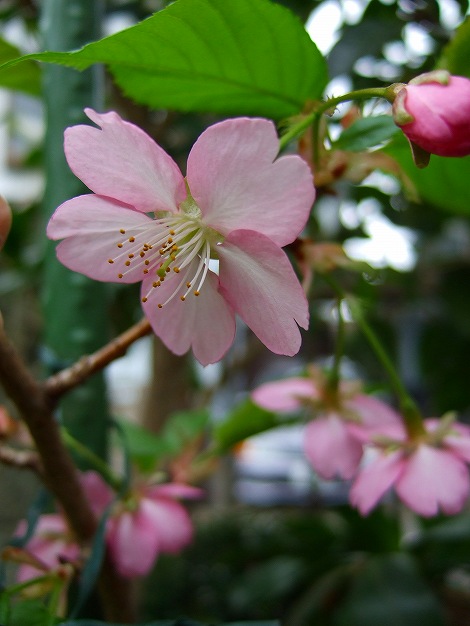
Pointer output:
x,y
443,183
92,567
25,77
456,57
246,420
30,613
389,590
367,132
178,622
226,56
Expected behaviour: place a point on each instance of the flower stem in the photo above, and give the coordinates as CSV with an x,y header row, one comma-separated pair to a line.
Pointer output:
x,y
334,374
411,415
311,118
87,454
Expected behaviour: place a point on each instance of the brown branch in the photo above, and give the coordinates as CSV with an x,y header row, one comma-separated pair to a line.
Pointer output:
x,y
59,472
72,376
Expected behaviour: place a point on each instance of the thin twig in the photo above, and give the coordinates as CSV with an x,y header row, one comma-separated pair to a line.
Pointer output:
x,y
58,384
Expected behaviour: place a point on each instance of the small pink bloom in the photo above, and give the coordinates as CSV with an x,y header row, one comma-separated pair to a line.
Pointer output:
x,y
333,441
238,204
51,545
150,521
433,111
429,475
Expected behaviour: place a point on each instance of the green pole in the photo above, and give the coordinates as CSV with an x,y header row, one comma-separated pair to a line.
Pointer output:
x,y
75,307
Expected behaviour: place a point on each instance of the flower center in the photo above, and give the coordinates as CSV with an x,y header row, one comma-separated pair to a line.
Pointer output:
x,y
174,246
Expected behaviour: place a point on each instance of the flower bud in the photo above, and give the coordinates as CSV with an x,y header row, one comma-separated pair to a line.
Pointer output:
x,y
5,220
433,111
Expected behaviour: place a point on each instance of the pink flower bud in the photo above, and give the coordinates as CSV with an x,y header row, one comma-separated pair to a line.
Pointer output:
x,y
5,220
433,111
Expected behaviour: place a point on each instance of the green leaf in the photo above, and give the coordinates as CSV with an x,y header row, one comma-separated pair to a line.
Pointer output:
x,y
31,613
178,622
367,132
146,448
456,56
26,77
389,590
231,57
443,183
246,420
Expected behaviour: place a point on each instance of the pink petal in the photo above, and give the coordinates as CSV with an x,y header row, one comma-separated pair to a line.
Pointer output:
x,y
259,282
99,494
373,418
121,161
458,441
330,449
375,479
170,521
234,181
433,480
92,225
205,323
48,544
133,542
284,395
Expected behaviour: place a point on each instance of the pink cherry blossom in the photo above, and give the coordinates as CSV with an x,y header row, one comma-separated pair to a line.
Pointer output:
x,y
429,475
51,545
333,441
238,205
433,111
147,522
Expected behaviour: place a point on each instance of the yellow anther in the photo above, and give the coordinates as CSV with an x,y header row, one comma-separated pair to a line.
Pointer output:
x,y
127,263
147,262
167,270
161,251
132,239
172,232
146,271
119,275
188,285
122,231
196,293
119,245
131,256
144,299
160,306
169,240
142,254
157,283
176,270
182,298
110,261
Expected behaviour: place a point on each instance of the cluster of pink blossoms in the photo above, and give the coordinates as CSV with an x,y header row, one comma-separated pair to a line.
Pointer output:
x,y
428,473
238,205
150,521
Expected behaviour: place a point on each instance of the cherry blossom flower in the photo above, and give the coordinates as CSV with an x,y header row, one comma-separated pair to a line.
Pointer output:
x,y
237,205
333,440
149,521
429,473
51,545
433,111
